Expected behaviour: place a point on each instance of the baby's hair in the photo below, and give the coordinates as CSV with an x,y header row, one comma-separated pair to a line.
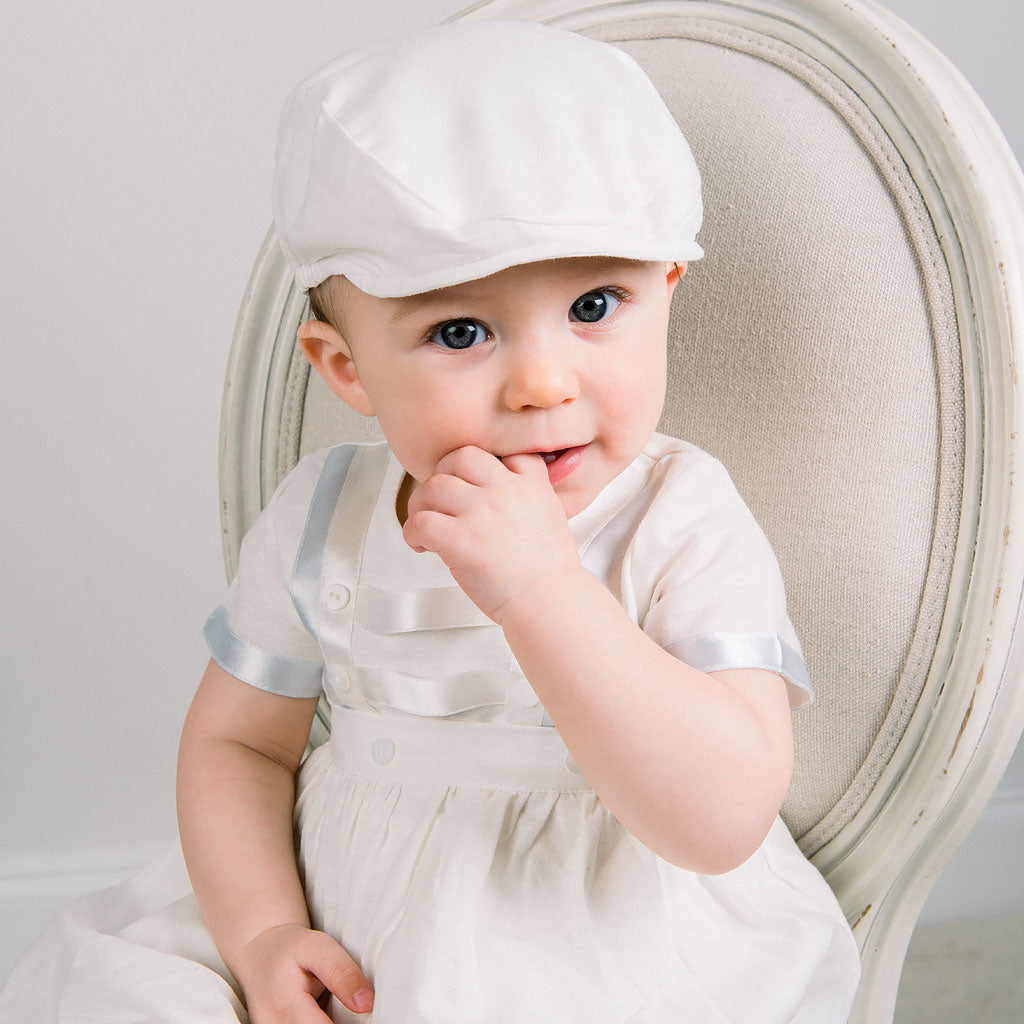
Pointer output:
x,y
316,310
325,301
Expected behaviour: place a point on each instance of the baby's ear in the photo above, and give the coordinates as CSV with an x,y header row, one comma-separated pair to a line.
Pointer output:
x,y
329,354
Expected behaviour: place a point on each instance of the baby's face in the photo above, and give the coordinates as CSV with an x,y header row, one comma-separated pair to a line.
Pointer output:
x,y
564,357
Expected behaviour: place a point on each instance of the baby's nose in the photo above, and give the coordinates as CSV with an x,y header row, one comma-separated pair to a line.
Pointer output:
x,y
540,378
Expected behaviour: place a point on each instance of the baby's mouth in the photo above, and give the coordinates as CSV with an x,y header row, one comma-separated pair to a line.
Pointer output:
x,y
550,457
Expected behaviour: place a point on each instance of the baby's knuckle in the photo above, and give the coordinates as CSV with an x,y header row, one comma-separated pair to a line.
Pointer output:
x,y
343,977
413,522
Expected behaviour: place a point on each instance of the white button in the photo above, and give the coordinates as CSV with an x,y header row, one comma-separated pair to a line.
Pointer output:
x,y
571,764
339,680
382,750
337,596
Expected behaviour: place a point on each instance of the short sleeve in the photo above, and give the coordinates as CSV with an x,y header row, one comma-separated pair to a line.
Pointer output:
x,y
257,633
716,594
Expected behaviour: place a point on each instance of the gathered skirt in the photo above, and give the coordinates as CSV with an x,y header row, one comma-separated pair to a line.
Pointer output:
x,y
475,876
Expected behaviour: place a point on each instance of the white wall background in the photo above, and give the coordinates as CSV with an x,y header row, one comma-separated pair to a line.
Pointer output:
x,y
136,159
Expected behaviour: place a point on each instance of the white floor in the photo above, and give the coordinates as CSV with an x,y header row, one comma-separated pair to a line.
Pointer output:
x,y
968,970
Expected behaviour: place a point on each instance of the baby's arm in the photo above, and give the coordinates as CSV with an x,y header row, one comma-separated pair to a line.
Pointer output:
x,y
695,765
240,749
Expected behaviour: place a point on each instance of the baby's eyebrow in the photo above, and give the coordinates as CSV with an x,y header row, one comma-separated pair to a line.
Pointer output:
x,y
400,314
441,300
405,309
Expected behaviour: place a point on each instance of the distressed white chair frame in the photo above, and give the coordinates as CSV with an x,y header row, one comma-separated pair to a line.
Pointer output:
x,y
969,714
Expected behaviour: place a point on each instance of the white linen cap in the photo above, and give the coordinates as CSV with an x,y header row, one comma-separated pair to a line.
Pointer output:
x,y
450,154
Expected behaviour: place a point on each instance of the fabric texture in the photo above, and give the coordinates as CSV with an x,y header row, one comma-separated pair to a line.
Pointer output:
x,y
551,145
446,837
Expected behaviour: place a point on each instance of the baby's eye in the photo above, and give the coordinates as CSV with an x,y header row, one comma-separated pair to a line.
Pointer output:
x,y
459,334
593,306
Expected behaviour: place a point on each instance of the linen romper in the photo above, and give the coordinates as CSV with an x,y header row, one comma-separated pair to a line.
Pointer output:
x,y
445,836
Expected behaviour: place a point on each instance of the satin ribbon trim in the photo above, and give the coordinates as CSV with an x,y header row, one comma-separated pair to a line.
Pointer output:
x,y
390,612
307,573
716,652
287,677
441,697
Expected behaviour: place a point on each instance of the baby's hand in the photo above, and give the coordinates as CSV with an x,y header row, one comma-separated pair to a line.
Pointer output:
x,y
286,969
496,523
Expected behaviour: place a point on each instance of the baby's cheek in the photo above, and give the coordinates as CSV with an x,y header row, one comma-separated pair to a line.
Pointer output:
x,y
417,443
637,402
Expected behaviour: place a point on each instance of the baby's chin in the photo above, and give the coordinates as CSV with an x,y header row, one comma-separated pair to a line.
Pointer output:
x,y
574,504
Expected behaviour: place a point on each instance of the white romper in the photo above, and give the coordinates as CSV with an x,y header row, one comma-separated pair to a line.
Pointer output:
x,y
445,836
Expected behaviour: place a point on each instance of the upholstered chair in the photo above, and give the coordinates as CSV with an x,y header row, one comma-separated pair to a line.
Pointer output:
x,y
847,348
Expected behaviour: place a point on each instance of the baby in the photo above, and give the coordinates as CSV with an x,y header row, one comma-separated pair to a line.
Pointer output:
x,y
554,641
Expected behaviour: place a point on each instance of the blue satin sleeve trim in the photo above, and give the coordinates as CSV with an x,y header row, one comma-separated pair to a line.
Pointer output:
x,y
287,677
716,652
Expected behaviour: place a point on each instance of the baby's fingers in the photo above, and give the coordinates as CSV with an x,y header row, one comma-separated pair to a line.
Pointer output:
x,y
470,463
427,530
530,464
442,493
322,957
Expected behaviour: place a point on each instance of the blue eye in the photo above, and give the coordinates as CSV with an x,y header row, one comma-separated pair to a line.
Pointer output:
x,y
458,334
594,306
